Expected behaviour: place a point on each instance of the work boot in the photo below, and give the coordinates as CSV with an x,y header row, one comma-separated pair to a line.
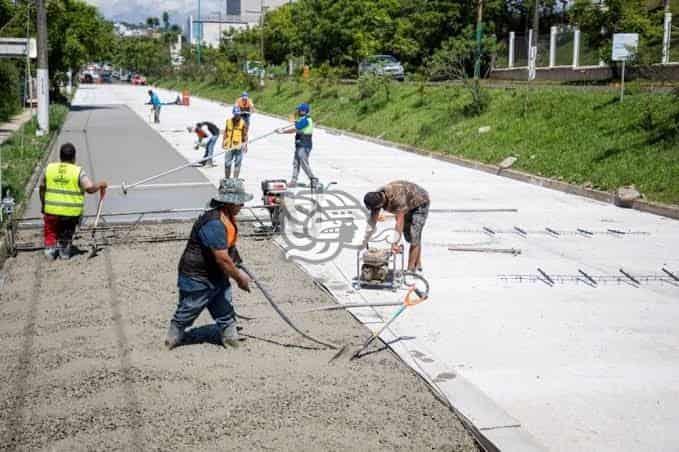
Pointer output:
x,y
65,252
292,183
230,336
314,184
175,334
51,253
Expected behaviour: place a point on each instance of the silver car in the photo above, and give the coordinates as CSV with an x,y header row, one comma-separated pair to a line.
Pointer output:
x,y
382,65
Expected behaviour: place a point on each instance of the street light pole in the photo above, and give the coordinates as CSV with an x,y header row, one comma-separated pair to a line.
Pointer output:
x,y
43,70
200,34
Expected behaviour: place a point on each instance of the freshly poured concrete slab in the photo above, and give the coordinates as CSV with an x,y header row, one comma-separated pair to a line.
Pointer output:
x,y
571,366
114,144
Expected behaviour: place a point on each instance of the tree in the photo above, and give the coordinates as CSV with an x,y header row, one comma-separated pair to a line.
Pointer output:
x,y
77,34
166,20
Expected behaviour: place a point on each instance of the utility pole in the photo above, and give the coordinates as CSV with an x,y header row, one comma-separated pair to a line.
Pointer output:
x,y
43,70
479,35
200,34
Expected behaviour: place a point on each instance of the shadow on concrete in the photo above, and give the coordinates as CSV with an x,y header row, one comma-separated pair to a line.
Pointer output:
x,y
90,107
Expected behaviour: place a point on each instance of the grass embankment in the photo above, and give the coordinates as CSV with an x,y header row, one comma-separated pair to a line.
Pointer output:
x,y
24,150
578,136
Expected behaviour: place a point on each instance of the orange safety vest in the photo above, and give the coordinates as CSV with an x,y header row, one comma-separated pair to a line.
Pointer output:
x,y
231,229
244,104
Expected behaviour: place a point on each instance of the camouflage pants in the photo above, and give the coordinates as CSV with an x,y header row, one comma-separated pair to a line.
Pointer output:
x,y
414,223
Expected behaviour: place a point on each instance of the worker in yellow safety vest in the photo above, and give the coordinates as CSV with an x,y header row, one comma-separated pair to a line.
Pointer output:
x,y
235,142
62,196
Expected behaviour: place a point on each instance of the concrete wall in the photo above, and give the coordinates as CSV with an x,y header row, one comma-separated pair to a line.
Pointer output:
x,y
589,73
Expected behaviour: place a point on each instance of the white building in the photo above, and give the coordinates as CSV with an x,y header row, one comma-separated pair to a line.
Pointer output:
x,y
239,15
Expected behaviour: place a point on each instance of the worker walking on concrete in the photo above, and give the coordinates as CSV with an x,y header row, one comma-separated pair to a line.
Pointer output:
x,y
154,100
235,139
247,107
207,134
303,130
410,204
208,261
62,196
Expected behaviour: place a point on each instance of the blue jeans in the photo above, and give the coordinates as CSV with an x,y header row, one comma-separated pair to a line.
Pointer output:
x,y
234,157
301,160
216,298
210,148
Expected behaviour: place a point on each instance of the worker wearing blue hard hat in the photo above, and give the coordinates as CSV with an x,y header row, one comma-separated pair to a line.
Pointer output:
x,y
303,130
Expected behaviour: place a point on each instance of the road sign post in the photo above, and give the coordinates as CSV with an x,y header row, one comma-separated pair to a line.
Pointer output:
x,y
624,48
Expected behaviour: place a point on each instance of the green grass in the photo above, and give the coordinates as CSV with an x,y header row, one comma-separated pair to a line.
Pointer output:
x,y
566,134
24,150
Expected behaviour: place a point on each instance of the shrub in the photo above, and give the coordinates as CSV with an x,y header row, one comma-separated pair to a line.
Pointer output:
x,y
10,100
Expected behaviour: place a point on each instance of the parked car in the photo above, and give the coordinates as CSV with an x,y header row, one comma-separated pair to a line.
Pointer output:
x,y
125,76
138,80
89,77
106,77
382,65
254,68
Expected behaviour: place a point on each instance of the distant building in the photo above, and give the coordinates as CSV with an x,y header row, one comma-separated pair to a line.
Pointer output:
x,y
240,14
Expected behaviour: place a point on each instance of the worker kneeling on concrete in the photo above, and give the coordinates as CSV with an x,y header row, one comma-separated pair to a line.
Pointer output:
x,y
410,204
62,196
235,139
208,261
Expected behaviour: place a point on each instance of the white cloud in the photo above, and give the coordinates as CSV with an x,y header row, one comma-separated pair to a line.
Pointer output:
x,y
139,10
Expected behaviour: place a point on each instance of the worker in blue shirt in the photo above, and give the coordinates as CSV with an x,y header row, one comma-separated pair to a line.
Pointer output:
x,y
303,130
155,101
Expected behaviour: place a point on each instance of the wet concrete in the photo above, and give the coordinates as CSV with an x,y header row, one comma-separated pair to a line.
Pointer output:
x,y
84,366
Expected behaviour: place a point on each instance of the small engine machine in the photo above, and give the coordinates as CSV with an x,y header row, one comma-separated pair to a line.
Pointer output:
x,y
272,197
379,268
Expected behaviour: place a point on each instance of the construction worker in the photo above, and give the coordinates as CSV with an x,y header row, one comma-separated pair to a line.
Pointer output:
x,y
62,196
208,261
303,130
207,134
246,106
410,204
155,101
235,139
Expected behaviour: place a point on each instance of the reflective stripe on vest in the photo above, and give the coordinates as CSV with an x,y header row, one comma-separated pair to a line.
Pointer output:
x,y
309,129
63,195
233,133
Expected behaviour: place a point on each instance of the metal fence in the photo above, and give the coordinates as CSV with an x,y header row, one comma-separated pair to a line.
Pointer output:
x,y
564,47
521,51
674,45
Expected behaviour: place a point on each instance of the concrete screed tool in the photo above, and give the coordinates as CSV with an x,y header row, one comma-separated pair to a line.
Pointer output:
x,y
125,187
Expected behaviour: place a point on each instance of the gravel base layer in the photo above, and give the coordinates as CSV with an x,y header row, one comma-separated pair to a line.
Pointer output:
x,y
84,366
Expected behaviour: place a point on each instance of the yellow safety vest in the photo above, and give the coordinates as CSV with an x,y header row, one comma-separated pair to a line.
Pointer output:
x,y
233,133
63,195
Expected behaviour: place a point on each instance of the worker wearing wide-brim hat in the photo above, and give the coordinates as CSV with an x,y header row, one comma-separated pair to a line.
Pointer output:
x,y
208,261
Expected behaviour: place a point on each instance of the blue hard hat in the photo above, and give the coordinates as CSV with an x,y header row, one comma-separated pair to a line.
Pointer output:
x,y
303,108
245,94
